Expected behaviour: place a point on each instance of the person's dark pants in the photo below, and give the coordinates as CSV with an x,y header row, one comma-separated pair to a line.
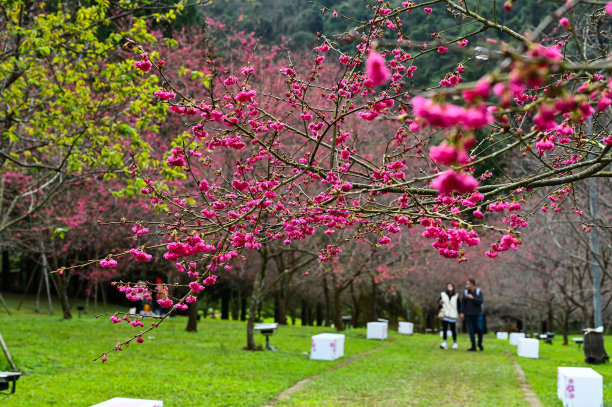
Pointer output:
x,y
475,324
453,328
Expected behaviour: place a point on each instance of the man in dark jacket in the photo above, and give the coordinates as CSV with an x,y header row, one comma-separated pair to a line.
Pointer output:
x,y
471,311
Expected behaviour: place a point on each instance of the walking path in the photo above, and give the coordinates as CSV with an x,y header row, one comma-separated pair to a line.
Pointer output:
x,y
530,396
287,393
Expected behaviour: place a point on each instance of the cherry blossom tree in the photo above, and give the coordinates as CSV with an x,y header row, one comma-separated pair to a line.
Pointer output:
x,y
352,146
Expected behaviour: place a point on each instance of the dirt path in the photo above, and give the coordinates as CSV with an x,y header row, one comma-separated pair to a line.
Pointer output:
x,y
287,393
530,396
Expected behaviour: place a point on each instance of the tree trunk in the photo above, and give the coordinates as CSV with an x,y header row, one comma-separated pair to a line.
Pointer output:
x,y
280,307
356,308
7,278
328,309
304,313
565,328
225,302
243,307
63,294
255,302
319,312
235,304
192,317
338,309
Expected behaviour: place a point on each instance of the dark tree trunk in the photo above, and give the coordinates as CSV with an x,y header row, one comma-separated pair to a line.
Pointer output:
x,y
192,317
356,310
225,302
304,313
328,309
280,307
7,278
338,309
310,315
62,287
319,312
235,305
594,350
550,317
243,308
255,301
565,328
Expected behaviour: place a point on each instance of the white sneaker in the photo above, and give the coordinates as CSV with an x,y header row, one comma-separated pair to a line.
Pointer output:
x,y
443,345
455,346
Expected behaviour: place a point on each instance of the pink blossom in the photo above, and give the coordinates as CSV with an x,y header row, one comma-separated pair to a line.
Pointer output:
x,y
246,96
108,263
451,181
463,42
447,154
144,64
139,339
210,280
376,69
478,214
564,22
384,240
428,10
177,159
442,49
139,255
609,8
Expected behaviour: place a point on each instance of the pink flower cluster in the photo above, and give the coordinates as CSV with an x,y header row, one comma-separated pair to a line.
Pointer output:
x,y
449,242
139,255
177,159
376,70
448,115
163,95
108,263
144,64
452,181
193,245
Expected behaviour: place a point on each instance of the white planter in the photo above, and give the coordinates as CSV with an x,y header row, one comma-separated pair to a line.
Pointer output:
x,y
406,328
579,387
528,348
515,336
123,402
377,330
502,335
327,347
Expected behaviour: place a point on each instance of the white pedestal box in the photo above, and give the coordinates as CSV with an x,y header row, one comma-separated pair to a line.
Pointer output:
x,y
528,348
502,335
327,347
579,387
377,330
515,336
449,334
123,402
406,328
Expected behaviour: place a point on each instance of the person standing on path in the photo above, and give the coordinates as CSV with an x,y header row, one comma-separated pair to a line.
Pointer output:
x,y
471,310
449,305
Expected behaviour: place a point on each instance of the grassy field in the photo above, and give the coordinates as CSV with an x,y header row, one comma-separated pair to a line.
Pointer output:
x,y
209,368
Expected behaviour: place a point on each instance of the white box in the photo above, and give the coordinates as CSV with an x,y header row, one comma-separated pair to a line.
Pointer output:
x,y
515,336
123,402
327,346
528,348
579,387
377,330
406,328
502,335
449,334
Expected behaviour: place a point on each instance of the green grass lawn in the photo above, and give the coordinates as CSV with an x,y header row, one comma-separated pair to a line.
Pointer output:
x,y
209,368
